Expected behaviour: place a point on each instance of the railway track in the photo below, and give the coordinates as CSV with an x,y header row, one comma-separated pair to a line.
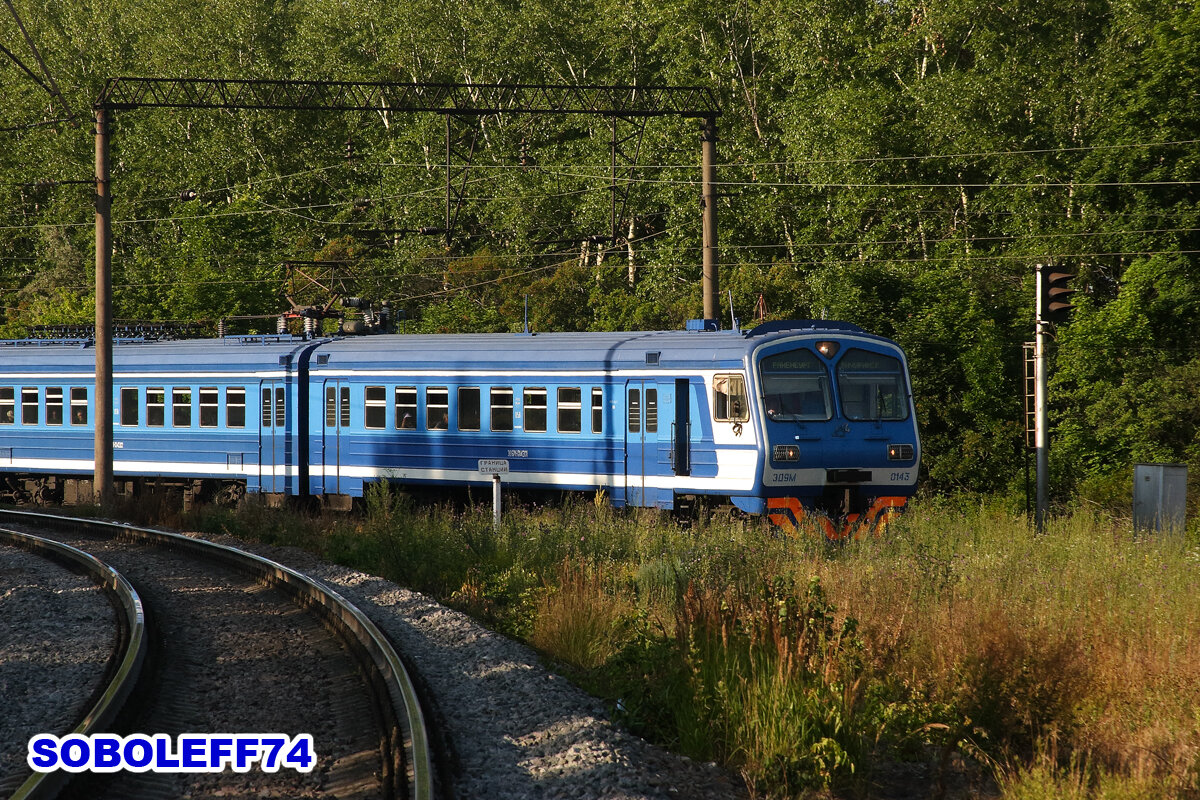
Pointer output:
x,y
101,646
233,643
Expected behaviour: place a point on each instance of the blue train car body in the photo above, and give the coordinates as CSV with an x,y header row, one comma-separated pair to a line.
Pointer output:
x,y
780,420
226,411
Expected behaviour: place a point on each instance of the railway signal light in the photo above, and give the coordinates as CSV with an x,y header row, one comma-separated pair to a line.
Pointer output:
x,y
1054,292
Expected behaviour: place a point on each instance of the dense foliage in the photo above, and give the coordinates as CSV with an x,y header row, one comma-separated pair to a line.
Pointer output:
x,y
898,164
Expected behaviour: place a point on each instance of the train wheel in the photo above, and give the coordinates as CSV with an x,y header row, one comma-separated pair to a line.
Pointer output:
x,y
229,495
43,495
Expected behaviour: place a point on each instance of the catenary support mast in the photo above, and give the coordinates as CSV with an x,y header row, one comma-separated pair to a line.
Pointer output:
x,y
708,179
102,485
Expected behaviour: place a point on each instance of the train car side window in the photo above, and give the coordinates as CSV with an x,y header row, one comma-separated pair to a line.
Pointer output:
x,y
729,399
330,406
79,405
534,401
597,410
8,405
406,408
375,407
209,402
652,411
437,408
29,405
235,407
155,407
634,408
274,410
468,408
54,405
502,408
129,406
570,409
181,407
344,415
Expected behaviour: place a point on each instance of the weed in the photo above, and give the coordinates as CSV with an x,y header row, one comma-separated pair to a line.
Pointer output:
x,y
775,680
581,621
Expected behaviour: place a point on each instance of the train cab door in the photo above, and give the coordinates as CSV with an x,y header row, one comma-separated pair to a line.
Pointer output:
x,y
272,437
641,442
681,429
333,442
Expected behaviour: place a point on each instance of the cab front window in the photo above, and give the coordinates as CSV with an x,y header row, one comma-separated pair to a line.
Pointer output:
x,y
795,387
871,386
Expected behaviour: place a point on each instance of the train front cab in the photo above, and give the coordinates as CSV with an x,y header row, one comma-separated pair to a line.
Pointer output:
x,y
840,448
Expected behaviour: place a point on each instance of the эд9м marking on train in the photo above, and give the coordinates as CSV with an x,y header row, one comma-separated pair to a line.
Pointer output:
x,y
783,419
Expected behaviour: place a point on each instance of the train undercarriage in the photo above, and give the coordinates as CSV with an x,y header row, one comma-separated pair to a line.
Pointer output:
x,y
67,490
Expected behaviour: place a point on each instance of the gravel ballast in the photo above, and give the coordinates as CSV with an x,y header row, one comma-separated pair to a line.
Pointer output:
x,y
516,729
57,632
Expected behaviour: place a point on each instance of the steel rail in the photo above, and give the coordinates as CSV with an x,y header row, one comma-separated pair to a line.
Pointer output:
x,y
41,785
356,627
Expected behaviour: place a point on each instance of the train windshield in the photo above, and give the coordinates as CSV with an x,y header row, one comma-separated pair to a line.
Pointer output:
x,y
795,386
871,386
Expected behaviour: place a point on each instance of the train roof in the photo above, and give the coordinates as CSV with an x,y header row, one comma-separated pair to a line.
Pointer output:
x,y
270,353
245,353
721,349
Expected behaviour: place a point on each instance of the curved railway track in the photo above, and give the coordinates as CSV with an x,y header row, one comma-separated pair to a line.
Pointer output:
x,y
237,643
124,665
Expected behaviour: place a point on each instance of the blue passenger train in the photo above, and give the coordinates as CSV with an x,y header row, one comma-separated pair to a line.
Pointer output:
x,y
783,419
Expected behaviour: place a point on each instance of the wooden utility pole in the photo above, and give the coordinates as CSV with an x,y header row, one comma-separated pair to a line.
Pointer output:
x,y
708,177
102,486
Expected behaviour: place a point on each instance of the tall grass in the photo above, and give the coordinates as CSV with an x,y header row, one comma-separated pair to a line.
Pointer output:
x,y
1062,664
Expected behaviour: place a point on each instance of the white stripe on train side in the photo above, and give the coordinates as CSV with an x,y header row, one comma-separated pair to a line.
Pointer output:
x,y
190,377
184,468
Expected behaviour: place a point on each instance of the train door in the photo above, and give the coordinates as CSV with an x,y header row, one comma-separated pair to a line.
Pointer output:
x,y
337,424
272,438
641,442
681,429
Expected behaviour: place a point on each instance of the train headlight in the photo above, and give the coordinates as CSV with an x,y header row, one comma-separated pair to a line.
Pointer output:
x,y
786,452
900,452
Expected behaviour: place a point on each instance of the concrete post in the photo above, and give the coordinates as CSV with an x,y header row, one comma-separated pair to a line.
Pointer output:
x,y
496,503
1041,415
